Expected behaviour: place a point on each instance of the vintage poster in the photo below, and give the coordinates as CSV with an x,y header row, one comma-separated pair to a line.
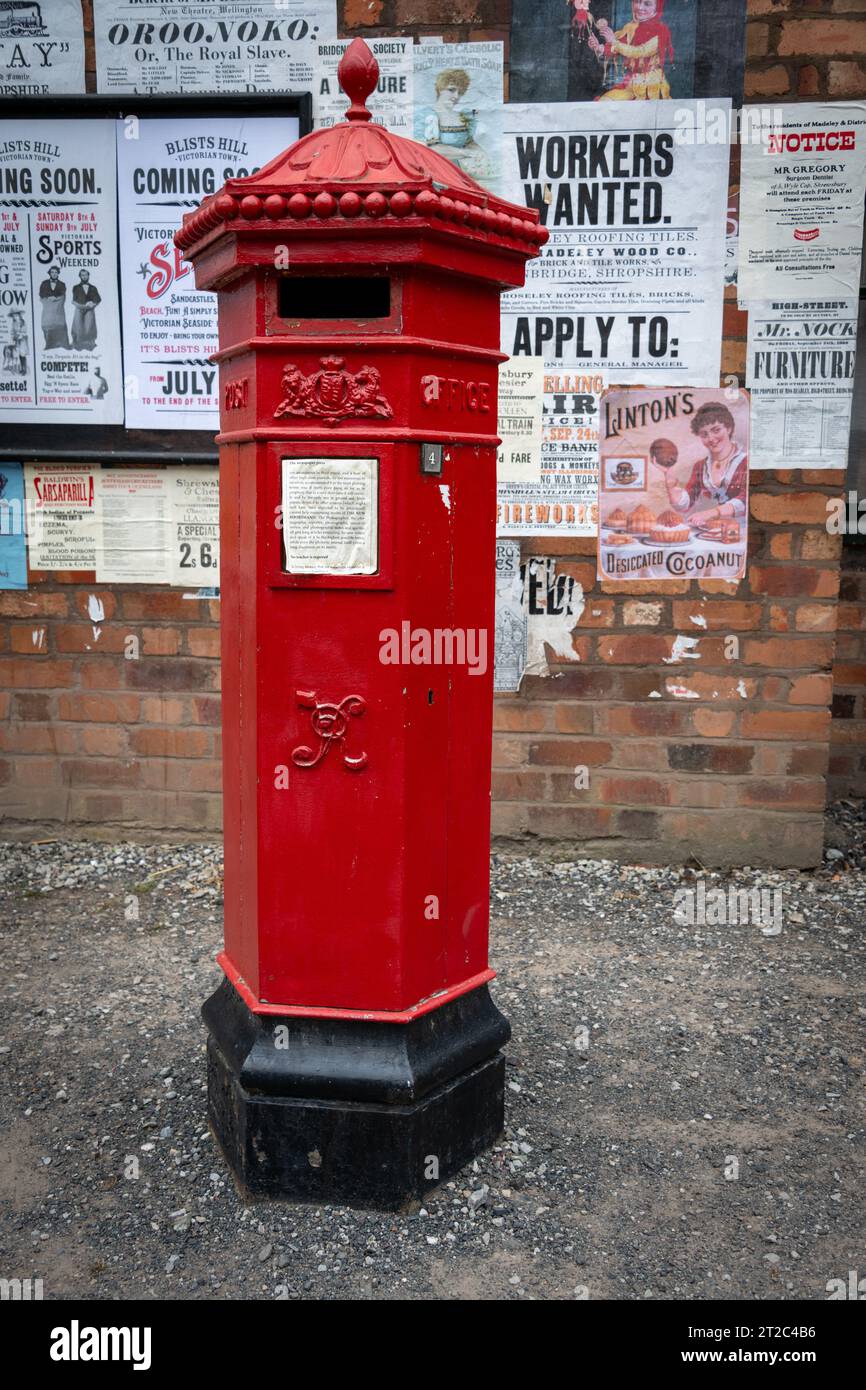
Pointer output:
x,y
212,46
165,167
458,106
41,48
562,500
631,281
62,515
134,527
13,532
626,50
59,315
674,484
800,370
330,515
732,236
194,525
391,103
509,659
802,183
521,408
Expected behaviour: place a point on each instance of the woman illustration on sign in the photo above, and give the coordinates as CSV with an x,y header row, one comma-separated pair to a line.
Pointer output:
x,y
644,45
85,297
721,478
451,132
52,292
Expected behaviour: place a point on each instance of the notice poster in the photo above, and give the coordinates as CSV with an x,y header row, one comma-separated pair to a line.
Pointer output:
x,y
391,103
59,316
194,526
62,515
800,368
41,48
13,534
802,183
212,46
626,50
674,484
562,500
170,327
631,281
521,389
134,527
458,106
330,515
509,660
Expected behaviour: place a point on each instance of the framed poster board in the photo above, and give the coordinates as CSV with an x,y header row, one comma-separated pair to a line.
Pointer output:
x,y
85,182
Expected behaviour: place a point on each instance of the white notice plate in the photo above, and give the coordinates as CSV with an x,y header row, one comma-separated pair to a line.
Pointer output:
x,y
330,516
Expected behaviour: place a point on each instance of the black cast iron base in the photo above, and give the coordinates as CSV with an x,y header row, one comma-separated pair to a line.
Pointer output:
x,y
359,1113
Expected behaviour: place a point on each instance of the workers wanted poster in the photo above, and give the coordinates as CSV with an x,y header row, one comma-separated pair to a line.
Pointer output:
x,y
194,526
41,48
390,104
134,529
166,167
62,515
634,195
802,182
458,106
561,500
674,484
800,368
59,315
211,46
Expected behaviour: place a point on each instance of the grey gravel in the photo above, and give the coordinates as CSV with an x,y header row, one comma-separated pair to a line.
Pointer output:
x,y
650,1059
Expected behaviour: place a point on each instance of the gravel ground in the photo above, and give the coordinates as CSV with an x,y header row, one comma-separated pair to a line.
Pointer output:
x,y
684,1104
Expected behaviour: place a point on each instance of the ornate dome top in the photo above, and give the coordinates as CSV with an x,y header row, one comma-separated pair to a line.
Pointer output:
x,y
360,170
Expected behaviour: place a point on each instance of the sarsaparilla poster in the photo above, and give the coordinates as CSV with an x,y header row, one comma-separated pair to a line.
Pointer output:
x,y
674,484
59,313
41,47
627,50
800,371
164,168
631,281
458,106
561,498
211,46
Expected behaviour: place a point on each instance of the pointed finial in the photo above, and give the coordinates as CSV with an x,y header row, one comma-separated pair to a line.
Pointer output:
x,y
358,74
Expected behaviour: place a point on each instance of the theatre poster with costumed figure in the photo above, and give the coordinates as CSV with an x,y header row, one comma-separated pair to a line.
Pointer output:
x,y
674,484
626,50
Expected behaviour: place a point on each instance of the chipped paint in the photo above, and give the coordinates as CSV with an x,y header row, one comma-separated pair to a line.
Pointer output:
x,y
445,494
95,608
682,648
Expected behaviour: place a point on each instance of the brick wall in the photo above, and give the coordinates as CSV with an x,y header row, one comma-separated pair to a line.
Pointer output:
x,y
848,732
720,756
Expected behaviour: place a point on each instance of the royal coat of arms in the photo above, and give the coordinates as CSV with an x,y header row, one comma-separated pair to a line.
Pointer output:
x,y
333,393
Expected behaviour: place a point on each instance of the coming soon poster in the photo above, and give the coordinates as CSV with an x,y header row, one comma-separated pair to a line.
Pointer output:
x,y
165,168
634,196
59,315
674,484
626,50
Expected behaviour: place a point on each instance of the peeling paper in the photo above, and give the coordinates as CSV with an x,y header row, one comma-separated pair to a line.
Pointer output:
x,y
698,619
555,604
741,689
681,692
682,649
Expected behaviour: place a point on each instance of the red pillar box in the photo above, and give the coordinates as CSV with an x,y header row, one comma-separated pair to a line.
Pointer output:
x,y
354,1049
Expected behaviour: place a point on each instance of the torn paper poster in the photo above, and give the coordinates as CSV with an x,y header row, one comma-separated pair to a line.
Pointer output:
x,y
554,604
509,660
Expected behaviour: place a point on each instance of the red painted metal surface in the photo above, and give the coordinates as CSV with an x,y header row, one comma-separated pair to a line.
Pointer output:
x,y
357,791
